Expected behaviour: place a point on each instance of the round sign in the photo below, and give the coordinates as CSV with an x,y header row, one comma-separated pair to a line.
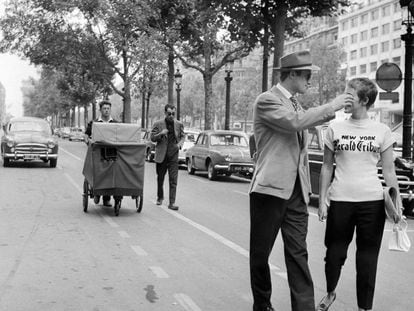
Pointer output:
x,y
388,76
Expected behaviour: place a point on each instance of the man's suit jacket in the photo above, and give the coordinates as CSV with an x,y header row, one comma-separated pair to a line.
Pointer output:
x,y
162,140
281,153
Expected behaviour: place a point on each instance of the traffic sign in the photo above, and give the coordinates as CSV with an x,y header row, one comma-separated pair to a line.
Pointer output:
x,y
388,76
393,96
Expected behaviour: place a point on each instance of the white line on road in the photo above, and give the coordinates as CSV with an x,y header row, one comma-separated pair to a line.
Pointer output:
x,y
241,192
71,154
200,180
215,236
112,223
159,272
139,250
186,302
124,234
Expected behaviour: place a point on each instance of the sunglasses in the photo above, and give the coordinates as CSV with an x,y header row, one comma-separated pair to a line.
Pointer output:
x,y
171,113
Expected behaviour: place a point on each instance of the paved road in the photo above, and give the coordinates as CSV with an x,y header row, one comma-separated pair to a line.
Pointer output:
x,y
55,257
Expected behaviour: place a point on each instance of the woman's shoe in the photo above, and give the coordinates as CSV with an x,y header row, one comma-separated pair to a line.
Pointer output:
x,y
325,303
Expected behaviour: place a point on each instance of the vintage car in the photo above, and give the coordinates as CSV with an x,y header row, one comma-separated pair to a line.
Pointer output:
x,y
150,145
190,137
77,134
28,139
404,169
220,153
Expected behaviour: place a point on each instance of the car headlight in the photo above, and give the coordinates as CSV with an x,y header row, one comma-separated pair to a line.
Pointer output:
x,y
51,144
10,143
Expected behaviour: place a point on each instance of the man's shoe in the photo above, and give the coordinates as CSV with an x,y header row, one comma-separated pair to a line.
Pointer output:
x,y
96,199
326,302
159,201
173,207
107,203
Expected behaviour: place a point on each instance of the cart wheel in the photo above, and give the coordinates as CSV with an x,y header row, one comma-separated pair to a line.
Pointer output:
x,y
117,206
85,195
138,203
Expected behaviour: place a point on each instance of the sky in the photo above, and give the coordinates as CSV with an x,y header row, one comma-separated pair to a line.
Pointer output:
x,y
13,70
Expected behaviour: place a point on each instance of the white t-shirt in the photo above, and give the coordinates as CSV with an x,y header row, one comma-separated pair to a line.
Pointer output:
x,y
357,145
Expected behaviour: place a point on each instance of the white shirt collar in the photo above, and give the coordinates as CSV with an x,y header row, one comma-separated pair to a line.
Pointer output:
x,y
101,120
284,91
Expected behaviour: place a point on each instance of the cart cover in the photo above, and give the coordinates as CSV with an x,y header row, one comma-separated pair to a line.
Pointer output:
x,y
114,163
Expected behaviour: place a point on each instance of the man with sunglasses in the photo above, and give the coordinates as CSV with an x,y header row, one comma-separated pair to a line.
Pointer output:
x,y
168,134
280,187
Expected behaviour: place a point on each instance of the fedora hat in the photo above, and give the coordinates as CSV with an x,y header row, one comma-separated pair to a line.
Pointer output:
x,y
297,61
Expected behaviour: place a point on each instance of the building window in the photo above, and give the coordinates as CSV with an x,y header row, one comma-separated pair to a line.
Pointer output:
x,y
353,54
363,52
363,69
396,60
374,49
397,7
364,35
364,18
386,11
374,15
373,66
354,38
374,32
397,43
352,71
345,41
344,25
385,46
397,24
300,46
385,60
386,29
354,22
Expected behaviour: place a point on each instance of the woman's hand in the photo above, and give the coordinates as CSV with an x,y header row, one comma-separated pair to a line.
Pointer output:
x,y
323,211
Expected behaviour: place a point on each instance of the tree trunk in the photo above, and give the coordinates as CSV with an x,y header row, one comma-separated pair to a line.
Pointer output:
x,y
171,77
265,73
78,125
279,40
127,104
148,102
94,110
85,115
208,89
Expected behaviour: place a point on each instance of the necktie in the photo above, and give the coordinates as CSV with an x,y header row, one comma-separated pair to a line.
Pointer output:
x,y
297,108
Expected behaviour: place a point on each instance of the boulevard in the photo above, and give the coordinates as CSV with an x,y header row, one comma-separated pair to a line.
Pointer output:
x,y
53,256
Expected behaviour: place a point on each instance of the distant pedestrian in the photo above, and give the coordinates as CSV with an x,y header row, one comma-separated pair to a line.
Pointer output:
x,y
353,200
279,191
105,117
168,134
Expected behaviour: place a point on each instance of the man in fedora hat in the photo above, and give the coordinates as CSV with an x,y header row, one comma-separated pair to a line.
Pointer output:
x,y
279,190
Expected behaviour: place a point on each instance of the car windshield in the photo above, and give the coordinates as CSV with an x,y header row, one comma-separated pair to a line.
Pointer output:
x,y
228,140
29,126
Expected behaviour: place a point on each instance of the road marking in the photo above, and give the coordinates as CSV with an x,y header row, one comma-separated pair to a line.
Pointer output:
x,y
214,235
200,180
240,192
112,223
186,302
159,272
74,183
138,250
124,234
71,154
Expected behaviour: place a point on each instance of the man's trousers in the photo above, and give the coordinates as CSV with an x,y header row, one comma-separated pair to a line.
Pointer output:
x,y
170,164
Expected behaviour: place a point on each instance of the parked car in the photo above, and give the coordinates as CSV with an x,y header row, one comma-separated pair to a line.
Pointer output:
x,y
150,146
220,153
404,169
65,132
28,139
77,134
190,137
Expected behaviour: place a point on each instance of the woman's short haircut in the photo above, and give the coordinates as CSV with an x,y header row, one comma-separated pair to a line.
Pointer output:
x,y
104,102
172,107
365,89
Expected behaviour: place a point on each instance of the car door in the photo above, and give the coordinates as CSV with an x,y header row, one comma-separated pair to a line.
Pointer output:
x,y
200,154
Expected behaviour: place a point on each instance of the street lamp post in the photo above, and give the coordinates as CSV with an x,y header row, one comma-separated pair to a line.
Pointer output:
x,y
408,77
178,79
228,78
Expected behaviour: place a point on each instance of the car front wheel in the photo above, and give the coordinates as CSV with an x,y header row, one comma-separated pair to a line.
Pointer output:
x,y
211,172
